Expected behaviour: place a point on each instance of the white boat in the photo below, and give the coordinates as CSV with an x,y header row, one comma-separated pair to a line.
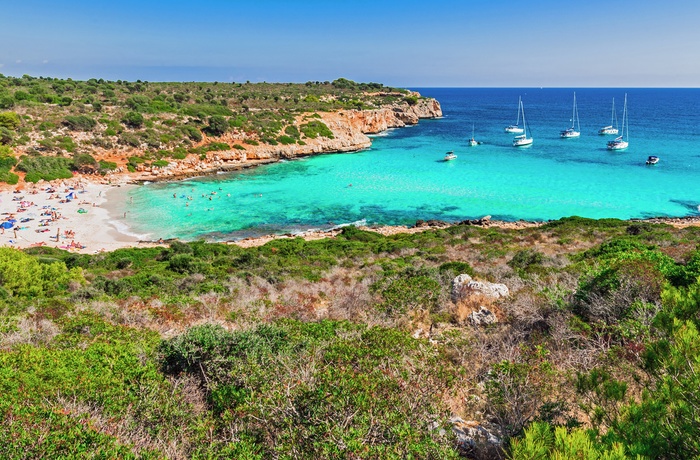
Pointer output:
x,y
522,140
610,129
652,160
571,132
472,141
516,128
622,142
450,156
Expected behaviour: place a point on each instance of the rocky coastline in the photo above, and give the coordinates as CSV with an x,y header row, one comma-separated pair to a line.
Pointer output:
x,y
350,130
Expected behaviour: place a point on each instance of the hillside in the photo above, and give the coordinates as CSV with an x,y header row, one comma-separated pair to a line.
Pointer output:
x,y
467,340
159,130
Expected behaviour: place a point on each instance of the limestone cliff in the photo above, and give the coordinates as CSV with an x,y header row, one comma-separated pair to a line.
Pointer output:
x,y
349,127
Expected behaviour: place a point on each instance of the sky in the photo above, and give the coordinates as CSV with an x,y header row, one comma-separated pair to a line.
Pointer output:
x,y
407,43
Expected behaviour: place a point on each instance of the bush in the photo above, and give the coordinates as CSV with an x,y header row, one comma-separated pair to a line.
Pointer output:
x,y
46,168
24,276
217,125
316,128
133,120
79,122
191,132
9,120
8,177
84,160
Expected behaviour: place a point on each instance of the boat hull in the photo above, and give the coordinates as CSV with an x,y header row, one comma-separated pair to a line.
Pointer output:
x,y
568,134
514,129
608,130
618,145
522,142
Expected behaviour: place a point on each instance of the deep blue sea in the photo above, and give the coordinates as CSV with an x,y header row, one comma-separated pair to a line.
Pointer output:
x,y
403,177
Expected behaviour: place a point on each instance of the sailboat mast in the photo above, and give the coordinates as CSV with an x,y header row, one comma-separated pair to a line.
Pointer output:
x,y
520,103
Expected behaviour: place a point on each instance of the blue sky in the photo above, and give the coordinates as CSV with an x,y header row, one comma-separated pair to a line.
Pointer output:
x,y
402,43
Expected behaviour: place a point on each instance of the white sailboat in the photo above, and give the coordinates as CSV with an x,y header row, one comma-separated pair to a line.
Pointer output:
x,y
622,142
472,141
571,132
610,129
516,128
522,140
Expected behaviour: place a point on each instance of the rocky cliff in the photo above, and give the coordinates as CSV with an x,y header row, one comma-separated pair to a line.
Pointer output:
x,y
349,127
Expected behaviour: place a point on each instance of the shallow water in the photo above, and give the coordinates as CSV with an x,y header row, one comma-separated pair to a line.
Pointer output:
x,y
402,178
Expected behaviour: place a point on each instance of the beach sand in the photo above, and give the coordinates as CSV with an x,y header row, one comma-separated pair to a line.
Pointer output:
x,y
89,218
75,210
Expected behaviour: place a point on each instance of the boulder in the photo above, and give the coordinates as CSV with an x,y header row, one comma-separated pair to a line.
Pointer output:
x,y
483,317
463,287
472,435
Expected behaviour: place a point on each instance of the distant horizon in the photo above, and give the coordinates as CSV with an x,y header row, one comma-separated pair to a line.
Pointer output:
x,y
357,81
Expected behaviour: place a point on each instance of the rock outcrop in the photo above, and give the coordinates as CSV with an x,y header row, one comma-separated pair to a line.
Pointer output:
x,y
473,436
349,128
483,317
463,287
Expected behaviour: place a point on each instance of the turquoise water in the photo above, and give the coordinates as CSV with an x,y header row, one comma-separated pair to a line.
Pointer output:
x,y
402,178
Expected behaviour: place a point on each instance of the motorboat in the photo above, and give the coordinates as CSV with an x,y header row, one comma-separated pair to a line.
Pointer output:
x,y
652,160
450,156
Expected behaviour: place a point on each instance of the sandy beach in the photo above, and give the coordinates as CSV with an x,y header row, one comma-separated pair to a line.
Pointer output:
x,y
81,216
71,214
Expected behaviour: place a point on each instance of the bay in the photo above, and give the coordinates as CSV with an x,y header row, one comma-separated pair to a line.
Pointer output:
x,y
403,177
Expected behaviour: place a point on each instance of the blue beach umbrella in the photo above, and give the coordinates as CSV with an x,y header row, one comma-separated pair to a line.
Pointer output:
x,y
6,225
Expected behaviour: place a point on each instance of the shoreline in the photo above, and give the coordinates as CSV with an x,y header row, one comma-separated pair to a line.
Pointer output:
x,y
89,222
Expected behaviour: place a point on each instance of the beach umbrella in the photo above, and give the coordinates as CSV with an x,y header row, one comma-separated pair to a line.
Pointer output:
x,y
6,225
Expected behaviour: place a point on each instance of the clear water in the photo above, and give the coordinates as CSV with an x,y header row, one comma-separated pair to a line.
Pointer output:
x,y
402,178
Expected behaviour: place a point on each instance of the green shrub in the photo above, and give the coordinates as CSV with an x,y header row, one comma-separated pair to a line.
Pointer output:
x,y
133,120
217,125
191,132
316,128
46,168
9,120
456,268
286,140
24,276
8,177
79,122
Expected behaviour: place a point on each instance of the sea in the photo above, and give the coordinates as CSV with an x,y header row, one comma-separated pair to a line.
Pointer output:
x,y
403,177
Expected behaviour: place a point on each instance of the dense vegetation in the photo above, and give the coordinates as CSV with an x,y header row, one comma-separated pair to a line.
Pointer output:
x,y
144,122
352,348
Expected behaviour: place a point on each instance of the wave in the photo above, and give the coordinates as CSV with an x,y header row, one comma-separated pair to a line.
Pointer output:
x,y
124,229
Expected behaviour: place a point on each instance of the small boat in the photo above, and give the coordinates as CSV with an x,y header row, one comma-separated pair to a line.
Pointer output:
x,y
522,140
571,132
610,129
515,128
622,142
652,160
472,141
450,156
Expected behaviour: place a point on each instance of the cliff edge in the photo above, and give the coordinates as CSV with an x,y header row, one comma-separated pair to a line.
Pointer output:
x,y
349,133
